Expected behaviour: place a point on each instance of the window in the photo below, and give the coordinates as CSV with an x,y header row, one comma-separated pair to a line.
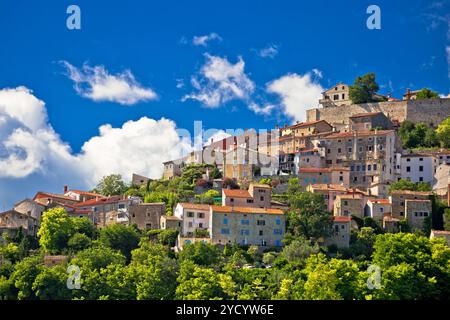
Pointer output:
x,y
225,221
261,198
421,179
200,225
245,232
408,169
245,222
420,168
278,222
225,231
261,222
190,224
190,214
249,200
200,215
231,199
260,232
277,231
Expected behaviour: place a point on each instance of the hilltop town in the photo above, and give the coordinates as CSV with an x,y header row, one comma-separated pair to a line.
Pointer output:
x,y
350,171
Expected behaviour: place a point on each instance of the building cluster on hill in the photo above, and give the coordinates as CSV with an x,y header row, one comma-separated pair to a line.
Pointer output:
x,y
348,156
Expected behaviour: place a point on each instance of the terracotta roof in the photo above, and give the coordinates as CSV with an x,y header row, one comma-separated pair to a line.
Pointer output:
x,y
380,201
342,219
85,193
390,218
236,193
356,196
369,114
365,133
419,193
416,200
260,185
40,195
317,170
194,206
229,209
444,232
328,187
306,124
172,218
94,202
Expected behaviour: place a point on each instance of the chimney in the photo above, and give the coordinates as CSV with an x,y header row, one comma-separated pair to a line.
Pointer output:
x,y
65,189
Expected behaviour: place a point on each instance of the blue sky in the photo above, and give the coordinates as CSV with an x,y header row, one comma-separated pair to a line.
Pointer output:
x,y
309,45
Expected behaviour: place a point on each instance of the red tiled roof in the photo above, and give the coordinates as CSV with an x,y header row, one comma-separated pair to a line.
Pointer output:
x,y
380,201
317,170
441,232
342,219
369,114
230,209
94,202
307,124
236,193
40,195
194,206
359,134
85,193
409,192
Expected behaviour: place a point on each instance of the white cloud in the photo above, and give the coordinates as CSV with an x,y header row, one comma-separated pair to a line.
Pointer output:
x,y
262,110
203,40
97,84
297,92
269,52
214,136
220,81
33,157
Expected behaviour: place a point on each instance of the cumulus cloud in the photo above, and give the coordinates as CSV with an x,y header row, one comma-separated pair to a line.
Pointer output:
x,y
203,40
297,92
265,109
97,84
268,52
30,149
220,81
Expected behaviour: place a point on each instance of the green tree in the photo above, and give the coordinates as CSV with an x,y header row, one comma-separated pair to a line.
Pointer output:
x,y
364,89
120,237
196,283
321,284
443,133
51,284
299,250
200,253
308,216
426,93
404,184
24,275
55,230
154,272
447,219
293,187
79,241
111,185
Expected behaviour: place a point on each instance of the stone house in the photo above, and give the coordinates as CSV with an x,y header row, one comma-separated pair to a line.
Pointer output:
x,y
247,226
12,221
338,95
398,200
340,232
349,205
333,175
82,196
258,195
369,121
329,192
377,209
194,217
416,212
417,167
171,222
146,215
30,208
390,224
138,180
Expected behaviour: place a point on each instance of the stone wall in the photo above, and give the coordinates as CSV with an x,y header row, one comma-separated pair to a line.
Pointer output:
x,y
431,111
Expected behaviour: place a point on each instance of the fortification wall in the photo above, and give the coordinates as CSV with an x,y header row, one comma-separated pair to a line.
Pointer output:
x,y
431,111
